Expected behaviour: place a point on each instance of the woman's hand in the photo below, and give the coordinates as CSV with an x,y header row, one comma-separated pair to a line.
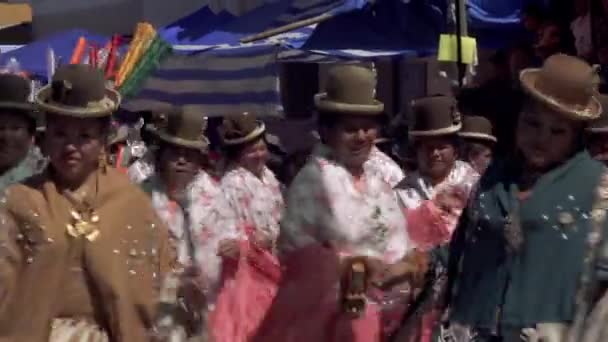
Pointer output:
x,y
229,248
450,199
545,332
263,240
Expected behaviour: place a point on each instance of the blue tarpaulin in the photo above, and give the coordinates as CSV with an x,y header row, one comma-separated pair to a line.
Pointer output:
x,y
387,26
227,77
496,23
32,57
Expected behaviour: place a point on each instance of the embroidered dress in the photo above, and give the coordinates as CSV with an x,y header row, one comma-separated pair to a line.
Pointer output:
x,y
257,202
211,220
330,215
248,284
428,225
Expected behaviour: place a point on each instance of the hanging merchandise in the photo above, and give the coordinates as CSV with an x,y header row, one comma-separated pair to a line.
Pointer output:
x,y
79,51
144,35
156,52
51,64
110,67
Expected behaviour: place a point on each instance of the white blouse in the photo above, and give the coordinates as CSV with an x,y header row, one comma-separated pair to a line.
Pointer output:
x,y
414,189
325,205
257,202
380,163
211,221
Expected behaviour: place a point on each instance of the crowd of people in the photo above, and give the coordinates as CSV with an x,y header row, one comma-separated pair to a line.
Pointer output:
x,y
489,228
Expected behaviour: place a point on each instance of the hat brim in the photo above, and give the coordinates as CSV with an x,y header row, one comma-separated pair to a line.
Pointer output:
x,y
437,132
591,111
256,133
322,102
26,107
479,136
99,109
201,145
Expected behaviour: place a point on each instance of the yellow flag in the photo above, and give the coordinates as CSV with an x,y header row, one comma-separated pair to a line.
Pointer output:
x,y
448,50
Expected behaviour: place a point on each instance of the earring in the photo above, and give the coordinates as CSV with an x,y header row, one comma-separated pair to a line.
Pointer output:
x,y
103,161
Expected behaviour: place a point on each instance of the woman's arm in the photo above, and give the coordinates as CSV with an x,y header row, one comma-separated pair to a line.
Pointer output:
x,y
306,208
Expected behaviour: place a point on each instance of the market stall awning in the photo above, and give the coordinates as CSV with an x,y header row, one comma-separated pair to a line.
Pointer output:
x,y
32,57
213,71
354,28
216,82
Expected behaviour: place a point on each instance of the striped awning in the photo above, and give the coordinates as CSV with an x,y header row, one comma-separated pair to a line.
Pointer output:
x,y
216,82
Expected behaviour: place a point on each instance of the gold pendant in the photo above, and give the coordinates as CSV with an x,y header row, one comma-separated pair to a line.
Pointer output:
x,y
86,227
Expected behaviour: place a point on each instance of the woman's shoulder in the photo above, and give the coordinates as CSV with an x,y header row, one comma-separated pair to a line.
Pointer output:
x,y
19,194
204,183
231,174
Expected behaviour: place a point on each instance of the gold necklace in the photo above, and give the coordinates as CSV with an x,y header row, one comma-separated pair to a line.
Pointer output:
x,y
84,224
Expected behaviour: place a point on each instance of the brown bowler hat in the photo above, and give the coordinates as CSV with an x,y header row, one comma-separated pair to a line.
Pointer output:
x,y
435,116
565,84
476,127
241,129
350,89
600,125
79,91
14,93
184,128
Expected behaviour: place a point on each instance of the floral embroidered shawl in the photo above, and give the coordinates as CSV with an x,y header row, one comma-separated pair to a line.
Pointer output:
x,y
415,189
380,163
211,220
325,206
428,225
257,202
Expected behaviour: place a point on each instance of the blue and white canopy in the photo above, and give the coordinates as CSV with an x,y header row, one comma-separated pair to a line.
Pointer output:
x,y
216,82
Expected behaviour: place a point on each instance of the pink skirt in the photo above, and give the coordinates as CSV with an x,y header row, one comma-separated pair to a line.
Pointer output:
x,y
307,306
248,289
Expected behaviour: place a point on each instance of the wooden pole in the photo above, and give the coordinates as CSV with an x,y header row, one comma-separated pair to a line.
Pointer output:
x,y
286,28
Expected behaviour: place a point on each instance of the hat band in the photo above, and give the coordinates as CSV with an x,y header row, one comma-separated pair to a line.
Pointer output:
x,y
436,132
475,135
199,144
252,135
97,108
324,103
104,104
